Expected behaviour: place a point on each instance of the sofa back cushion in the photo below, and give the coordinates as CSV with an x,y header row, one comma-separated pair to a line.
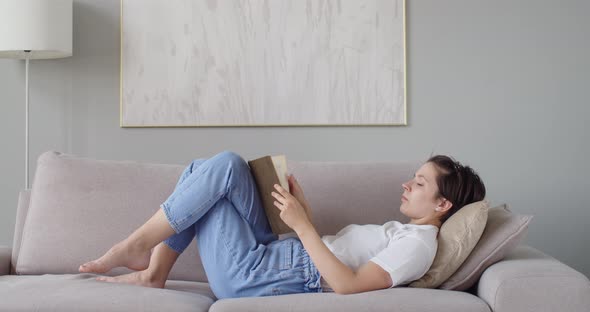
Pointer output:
x,y
342,193
80,207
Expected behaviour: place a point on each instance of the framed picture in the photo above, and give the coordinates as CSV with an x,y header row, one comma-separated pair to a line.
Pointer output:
x,y
197,63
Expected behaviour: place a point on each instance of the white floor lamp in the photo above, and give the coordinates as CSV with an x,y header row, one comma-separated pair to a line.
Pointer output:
x,y
34,29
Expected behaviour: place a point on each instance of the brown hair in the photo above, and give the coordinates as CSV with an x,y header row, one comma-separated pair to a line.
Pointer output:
x,y
459,184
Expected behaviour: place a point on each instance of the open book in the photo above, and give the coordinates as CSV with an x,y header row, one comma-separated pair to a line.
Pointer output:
x,y
268,171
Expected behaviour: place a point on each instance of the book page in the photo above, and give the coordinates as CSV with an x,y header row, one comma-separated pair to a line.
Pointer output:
x,y
280,164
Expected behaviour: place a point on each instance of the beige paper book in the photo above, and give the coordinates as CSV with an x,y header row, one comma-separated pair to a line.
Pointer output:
x,y
268,171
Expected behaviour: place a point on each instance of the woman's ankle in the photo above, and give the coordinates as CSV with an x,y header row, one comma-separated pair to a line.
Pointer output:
x,y
156,275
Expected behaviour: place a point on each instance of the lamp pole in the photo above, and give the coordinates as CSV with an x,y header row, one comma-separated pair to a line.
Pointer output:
x,y
27,118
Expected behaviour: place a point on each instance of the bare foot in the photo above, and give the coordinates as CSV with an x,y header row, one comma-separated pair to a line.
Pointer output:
x,y
119,255
141,278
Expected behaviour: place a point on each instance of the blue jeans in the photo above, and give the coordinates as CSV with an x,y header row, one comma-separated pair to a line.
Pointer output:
x,y
216,200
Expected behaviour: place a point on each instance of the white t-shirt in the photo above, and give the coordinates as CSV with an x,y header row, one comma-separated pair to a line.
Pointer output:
x,y
406,251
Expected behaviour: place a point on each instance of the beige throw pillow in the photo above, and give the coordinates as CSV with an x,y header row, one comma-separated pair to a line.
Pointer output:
x,y
504,230
456,239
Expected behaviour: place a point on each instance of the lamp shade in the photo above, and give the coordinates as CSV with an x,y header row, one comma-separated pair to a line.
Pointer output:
x,y
42,26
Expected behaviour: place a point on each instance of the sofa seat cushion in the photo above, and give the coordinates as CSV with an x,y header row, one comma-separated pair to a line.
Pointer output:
x,y
81,292
389,300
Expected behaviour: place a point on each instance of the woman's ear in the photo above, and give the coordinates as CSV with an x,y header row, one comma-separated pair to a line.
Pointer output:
x,y
446,205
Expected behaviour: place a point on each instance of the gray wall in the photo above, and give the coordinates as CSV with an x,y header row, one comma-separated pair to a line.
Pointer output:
x,y
499,85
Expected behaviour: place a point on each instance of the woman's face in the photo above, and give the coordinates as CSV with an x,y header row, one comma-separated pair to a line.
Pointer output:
x,y
419,193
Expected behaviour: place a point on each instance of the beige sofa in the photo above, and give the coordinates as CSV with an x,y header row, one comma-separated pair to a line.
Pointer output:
x,y
79,207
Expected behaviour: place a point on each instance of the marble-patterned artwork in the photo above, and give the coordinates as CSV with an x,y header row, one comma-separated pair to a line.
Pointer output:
x,y
191,63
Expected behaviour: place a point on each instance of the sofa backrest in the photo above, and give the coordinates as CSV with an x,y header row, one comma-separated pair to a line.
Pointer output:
x,y
79,207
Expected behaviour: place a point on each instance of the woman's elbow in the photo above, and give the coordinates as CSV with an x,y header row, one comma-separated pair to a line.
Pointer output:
x,y
345,290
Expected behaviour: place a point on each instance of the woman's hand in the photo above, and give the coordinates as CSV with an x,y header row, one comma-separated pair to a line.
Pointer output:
x,y
292,211
297,192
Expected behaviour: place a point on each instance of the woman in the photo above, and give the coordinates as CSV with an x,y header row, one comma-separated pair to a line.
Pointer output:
x,y
216,201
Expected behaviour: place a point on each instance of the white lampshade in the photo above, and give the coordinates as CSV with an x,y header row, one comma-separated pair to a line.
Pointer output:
x,y
42,26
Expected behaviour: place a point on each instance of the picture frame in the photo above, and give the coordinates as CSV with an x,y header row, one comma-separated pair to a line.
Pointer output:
x,y
263,63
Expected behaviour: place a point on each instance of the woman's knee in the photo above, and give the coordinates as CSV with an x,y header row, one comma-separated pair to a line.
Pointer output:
x,y
233,159
195,164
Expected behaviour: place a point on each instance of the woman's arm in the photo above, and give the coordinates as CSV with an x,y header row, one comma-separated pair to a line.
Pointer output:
x,y
339,276
336,273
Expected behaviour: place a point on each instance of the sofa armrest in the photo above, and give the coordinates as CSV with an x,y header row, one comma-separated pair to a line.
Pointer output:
x,y
5,254
530,280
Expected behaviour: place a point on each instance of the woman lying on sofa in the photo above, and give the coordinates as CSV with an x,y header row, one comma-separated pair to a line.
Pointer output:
x,y
216,201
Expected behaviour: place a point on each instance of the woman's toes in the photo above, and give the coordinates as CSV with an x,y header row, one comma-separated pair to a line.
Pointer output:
x,y
141,278
92,267
108,279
